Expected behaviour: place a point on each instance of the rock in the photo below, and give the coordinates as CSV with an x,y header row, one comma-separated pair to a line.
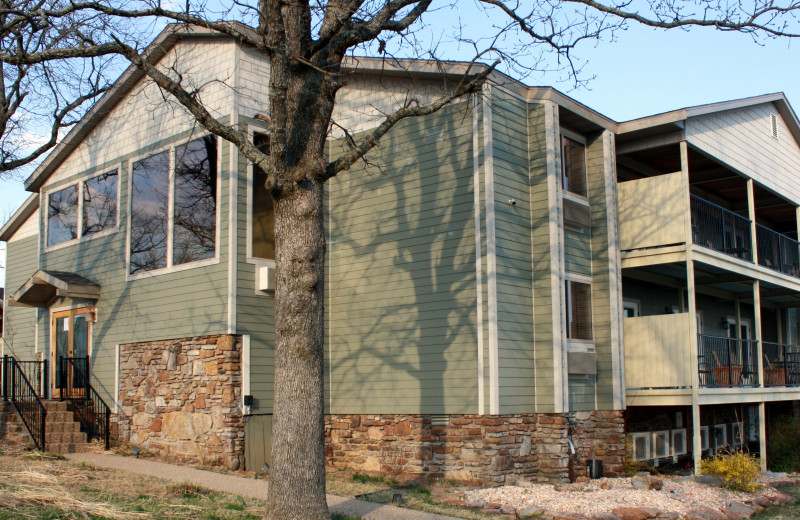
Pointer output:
x,y
476,505
633,513
762,501
783,498
605,485
669,515
577,486
605,515
570,516
711,513
756,507
583,480
738,508
646,482
185,425
529,512
507,509
698,515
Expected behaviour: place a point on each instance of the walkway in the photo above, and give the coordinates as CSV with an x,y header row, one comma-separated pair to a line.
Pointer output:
x,y
248,487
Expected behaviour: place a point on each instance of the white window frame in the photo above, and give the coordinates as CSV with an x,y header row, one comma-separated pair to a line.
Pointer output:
x,y
665,436
582,345
641,435
678,442
170,268
724,429
632,304
54,188
704,440
249,258
569,134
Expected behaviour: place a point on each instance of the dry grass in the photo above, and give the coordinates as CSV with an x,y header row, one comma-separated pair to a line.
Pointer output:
x,y
44,486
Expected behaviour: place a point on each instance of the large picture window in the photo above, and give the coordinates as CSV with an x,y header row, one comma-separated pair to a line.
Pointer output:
x,y
573,159
578,308
83,209
262,211
158,241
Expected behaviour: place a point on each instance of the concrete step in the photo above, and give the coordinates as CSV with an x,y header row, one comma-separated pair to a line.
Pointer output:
x,y
75,437
62,427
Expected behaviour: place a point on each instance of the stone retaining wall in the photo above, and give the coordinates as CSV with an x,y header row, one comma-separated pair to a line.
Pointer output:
x,y
491,449
181,399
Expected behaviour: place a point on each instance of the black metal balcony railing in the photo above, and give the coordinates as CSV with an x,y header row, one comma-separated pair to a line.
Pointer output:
x,y
89,408
727,361
720,229
781,364
778,251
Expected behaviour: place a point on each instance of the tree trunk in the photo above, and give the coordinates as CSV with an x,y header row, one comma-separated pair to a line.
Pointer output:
x,y
297,474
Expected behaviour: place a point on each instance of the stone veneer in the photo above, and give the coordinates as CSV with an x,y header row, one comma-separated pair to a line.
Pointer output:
x,y
181,399
492,449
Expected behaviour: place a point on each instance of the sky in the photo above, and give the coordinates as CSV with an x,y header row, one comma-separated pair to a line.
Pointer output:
x,y
643,72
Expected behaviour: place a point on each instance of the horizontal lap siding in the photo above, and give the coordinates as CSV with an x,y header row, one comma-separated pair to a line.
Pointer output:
x,y
19,323
540,247
400,293
601,289
513,252
577,251
255,313
192,302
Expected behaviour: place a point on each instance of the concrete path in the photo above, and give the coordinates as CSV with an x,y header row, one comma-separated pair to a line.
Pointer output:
x,y
248,487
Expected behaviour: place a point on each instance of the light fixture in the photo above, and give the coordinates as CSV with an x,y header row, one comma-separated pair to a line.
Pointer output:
x,y
724,322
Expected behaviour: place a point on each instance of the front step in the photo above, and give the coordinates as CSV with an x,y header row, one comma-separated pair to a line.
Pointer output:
x,y
62,432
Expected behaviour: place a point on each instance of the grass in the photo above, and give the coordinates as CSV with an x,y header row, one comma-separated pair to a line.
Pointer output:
x,y
785,512
42,486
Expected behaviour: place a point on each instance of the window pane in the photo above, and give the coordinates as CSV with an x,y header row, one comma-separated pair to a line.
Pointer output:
x,y
579,310
149,210
574,158
100,203
195,201
62,215
263,216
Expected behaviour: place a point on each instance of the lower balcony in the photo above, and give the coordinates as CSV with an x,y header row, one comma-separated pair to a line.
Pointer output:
x,y
727,362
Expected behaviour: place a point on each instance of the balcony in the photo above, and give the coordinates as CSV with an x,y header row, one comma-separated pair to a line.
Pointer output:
x,y
727,362
719,229
778,252
781,364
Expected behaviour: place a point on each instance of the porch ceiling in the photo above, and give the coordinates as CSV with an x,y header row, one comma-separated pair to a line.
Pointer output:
x,y
43,286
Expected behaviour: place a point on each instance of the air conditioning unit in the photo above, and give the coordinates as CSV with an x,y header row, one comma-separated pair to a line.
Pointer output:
x,y
265,278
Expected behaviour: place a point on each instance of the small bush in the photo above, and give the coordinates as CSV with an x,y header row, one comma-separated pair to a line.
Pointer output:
x,y
185,489
738,471
783,444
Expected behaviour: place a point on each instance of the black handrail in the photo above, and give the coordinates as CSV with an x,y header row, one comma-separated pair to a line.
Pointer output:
x,y
92,412
781,364
720,229
777,251
18,390
726,361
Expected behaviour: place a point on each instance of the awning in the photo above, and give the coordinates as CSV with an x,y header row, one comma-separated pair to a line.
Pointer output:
x,y
44,286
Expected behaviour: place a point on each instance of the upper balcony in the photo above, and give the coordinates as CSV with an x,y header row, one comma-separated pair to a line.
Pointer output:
x,y
661,211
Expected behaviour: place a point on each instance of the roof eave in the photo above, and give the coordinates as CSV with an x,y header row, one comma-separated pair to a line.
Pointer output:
x,y
24,212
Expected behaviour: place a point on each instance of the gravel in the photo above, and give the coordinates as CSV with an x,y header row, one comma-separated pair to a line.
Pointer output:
x,y
602,495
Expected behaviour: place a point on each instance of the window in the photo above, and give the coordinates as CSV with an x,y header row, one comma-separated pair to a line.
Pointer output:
x,y
262,211
660,445
573,159
190,235
83,209
578,310
100,203
62,215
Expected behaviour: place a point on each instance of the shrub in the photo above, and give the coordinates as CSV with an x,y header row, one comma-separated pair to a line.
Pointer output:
x,y
783,444
738,471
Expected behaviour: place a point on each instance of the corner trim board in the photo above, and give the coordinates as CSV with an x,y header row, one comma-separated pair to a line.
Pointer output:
x,y
491,247
476,173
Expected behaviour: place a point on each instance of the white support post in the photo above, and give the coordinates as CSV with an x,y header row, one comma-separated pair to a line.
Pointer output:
x,y
751,213
762,434
758,338
697,447
738,332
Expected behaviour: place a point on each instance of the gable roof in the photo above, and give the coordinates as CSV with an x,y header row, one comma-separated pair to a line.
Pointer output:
x,y
19,217
675,117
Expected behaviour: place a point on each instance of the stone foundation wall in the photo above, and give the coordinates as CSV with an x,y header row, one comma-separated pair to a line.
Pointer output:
x,y
181,399
491,449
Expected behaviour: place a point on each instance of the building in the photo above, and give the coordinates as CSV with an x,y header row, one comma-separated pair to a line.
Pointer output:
x,y
483,268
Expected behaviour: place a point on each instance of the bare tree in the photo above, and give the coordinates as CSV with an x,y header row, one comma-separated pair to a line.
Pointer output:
x,y
306,43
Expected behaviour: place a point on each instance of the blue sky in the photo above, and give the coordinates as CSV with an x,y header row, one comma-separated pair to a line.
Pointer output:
x,y
645,72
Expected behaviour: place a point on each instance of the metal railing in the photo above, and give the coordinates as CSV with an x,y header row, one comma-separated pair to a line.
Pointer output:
x,y
781,364
777,251
92,412
720,229
22,394
727,361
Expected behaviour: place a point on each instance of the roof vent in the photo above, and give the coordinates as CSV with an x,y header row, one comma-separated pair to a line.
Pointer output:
x,y
774,121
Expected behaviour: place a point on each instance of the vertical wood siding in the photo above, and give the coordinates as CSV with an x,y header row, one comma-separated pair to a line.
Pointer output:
x,y
653,211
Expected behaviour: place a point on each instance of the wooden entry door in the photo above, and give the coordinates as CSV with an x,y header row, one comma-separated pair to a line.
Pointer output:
x,y
70,352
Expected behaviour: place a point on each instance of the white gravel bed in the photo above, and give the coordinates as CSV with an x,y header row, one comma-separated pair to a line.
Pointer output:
x,y
676,496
